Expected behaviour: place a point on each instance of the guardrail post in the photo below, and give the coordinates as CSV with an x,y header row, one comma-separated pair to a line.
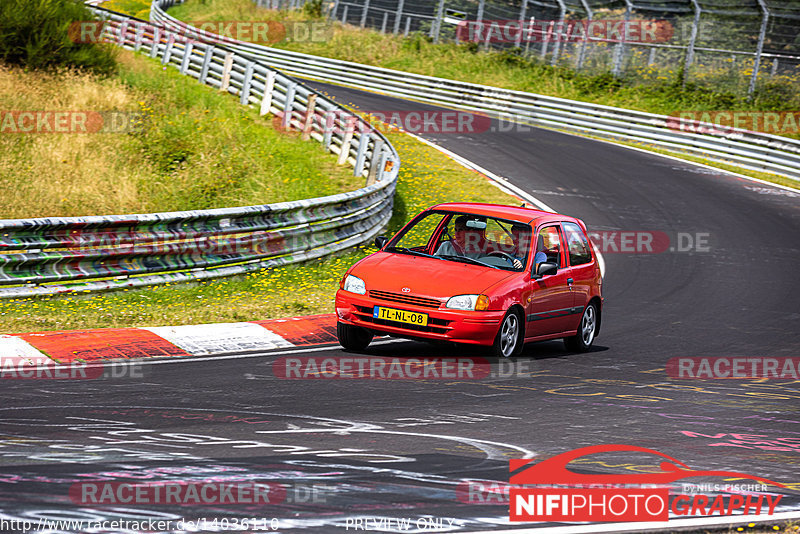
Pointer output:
x,y
226,72
399,16
122,29
481,6
408,26
168,50
207,57
288,105
139,36
344,153
244,98
187,55
156,41
385,20
266,99
334,9
309,119
377,149
364,12
344,14
363,143
330,124
774,67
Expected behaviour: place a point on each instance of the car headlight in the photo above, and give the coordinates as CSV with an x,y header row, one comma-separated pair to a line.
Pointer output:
x,y
354,284
468,302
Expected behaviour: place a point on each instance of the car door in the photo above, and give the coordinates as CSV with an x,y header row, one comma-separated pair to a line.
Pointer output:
x,y
582,268
550,308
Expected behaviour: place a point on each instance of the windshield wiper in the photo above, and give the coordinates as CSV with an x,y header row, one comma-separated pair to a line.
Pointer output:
x,y
409,251
467,259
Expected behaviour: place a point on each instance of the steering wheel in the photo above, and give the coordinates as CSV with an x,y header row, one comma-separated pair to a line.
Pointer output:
x,y
508,257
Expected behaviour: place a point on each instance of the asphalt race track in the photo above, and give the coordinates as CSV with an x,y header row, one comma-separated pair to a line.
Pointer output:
x,y
388,450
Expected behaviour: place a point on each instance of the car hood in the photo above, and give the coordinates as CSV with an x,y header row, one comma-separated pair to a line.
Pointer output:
x,y
426,277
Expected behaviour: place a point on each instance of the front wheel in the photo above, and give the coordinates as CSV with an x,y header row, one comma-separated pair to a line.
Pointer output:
x,y
508,341
353,337
583,339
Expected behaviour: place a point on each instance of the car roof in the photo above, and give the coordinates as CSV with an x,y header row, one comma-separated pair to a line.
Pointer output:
x,y
513,213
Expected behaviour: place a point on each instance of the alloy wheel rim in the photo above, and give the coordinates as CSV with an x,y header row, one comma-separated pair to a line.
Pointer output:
x,y
588,325
508,335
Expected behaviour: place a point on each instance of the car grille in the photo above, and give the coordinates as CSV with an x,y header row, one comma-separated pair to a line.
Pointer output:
x,y
406,299
435,326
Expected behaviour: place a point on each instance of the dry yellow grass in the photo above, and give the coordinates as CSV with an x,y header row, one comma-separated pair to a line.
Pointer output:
x,y
197,148
48,172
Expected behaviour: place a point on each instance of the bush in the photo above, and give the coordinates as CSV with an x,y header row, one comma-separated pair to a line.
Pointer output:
x,y
35,34
313,9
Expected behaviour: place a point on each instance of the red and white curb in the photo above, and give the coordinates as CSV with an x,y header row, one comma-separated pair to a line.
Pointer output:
x,y
167,341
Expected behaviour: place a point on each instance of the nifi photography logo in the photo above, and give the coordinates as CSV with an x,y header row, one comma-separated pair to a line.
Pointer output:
x,y
548,491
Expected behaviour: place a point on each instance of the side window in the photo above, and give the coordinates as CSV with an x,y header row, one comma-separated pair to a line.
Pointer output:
x,y
548,241
579,252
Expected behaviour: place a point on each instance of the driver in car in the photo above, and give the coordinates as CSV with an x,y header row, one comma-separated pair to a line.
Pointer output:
x,y
465,242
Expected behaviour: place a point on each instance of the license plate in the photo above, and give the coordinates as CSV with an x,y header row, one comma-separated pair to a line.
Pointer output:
x,y
400,316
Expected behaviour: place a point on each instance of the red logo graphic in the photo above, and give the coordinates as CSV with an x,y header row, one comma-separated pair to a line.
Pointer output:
x,y
583,503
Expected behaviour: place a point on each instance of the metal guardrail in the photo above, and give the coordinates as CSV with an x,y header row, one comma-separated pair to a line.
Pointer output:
x,y
741,148
123,251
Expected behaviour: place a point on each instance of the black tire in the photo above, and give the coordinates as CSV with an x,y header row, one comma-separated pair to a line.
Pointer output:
x,y
510,336
353,337
587,330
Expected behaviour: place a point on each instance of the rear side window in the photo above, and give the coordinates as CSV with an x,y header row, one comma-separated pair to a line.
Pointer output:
x,y
548,241
577,244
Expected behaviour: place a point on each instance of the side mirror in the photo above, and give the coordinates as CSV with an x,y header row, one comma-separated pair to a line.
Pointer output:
x,y
381,241
544,269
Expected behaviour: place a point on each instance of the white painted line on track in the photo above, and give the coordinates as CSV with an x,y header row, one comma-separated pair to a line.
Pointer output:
x,y
503,184
649,526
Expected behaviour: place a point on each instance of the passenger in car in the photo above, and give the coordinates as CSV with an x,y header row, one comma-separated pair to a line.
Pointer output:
x,y
465,242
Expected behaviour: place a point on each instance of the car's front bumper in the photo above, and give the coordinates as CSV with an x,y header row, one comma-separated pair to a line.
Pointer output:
x,y
475,327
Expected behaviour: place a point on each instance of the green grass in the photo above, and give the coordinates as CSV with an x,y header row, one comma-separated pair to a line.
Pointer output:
x,y
427,177
197,148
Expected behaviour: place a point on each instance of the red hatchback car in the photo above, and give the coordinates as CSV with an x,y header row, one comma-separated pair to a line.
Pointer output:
x,y
483,274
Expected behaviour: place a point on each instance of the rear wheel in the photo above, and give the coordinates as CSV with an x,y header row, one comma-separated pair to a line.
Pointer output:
x,y
353,337
583,339
508,341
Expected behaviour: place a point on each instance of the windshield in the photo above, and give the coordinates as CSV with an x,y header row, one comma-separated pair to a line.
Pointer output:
x,y
466,238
